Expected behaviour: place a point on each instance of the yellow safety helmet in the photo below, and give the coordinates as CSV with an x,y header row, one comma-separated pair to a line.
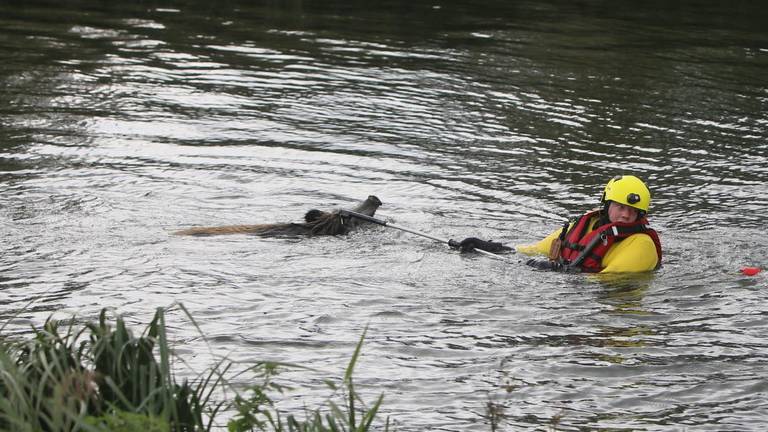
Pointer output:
x,y
628,190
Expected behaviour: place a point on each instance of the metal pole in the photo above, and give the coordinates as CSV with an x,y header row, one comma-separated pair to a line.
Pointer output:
x,y
451,243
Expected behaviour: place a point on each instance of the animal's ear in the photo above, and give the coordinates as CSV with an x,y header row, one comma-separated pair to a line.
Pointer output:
x,y
313,215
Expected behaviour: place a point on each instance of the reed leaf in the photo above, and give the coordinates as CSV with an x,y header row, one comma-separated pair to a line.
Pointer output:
x,y
101,377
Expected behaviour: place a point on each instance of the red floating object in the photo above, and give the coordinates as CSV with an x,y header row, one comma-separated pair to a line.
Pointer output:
x,y
751,271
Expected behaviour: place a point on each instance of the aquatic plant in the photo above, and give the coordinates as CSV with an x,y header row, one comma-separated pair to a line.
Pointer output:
x,y
43,383
60,380
495,408
257,411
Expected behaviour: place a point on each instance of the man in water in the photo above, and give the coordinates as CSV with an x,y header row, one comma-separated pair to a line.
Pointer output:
x,y
613,239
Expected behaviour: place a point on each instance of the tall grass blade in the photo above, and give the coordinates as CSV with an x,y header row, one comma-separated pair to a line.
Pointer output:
x,y
69,378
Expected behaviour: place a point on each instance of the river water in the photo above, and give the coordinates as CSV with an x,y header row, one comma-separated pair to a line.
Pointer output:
x,y
120,124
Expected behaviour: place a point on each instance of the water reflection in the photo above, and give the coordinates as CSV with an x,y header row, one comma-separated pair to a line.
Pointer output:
x,y
624,292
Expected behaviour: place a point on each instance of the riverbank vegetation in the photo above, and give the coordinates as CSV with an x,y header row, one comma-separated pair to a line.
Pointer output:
x,y
99,377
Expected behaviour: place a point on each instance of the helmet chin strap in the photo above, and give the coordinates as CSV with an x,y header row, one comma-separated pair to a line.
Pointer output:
x,y
604,215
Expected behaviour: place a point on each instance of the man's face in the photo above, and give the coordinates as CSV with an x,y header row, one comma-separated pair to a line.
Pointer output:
x,y
618,212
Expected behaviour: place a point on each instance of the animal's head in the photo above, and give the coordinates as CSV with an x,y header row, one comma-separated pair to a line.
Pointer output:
x,y
313,215
333,223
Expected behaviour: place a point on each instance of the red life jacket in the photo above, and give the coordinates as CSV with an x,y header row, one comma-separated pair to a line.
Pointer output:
x,y
586,250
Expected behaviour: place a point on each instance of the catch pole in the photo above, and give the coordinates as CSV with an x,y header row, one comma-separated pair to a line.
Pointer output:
x,y
450,242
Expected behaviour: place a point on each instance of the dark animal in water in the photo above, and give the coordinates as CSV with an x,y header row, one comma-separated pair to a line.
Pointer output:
x,y
316,222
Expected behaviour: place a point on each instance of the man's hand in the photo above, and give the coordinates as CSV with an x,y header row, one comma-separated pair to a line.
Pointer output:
x,y
550,266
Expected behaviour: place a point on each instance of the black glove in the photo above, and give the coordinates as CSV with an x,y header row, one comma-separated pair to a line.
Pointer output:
x,y
470,243
550,266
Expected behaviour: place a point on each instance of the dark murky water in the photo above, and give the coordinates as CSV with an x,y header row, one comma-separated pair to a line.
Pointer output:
x,y
120,124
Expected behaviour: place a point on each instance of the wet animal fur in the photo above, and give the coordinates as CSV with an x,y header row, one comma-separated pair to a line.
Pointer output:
x,y
316,222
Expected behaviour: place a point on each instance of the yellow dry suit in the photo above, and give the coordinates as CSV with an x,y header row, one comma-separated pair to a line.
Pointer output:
x,y
636,253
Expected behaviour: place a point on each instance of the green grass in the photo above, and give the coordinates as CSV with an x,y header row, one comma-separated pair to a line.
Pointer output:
x,y
101,377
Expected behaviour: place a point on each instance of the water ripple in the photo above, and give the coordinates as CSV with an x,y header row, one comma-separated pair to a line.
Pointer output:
x,y
123,125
